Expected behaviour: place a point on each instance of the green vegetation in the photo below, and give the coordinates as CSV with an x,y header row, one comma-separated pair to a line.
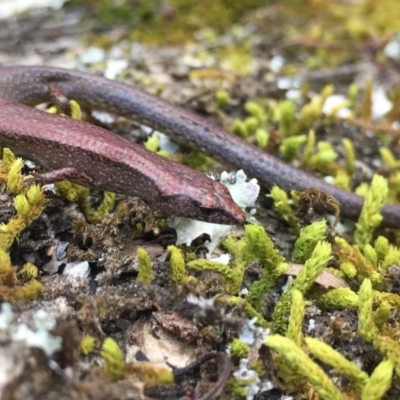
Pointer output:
x,y
172,22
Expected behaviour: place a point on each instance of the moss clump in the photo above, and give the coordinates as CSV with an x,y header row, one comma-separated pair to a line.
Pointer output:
x,y
260,247
87,345
297,359
239,348
370,216
114,359
282,205
297,311
150,373
145,266
228,275
297,369
308,239
172,22
178,266
79,194
10,289
379,382
306,277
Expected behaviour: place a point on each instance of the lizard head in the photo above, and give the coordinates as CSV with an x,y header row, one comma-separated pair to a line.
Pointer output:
x,y
212,204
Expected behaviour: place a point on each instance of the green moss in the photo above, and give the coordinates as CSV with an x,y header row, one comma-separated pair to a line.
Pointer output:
x,y
29,291
177,263
388,158
297,311
340,298
150,373
370,216
114,359
238,128
152,143
290,147
352,259
237,388
352,96
10,289
390,348
348,269
379,382
349,155
252,125
260,247
308,239
145,266
309,148
342,179
28,203
7,161
87,345
262,137
370,254
294,361
329,356
222,98
28,271
198,161
387,254
239,348
323,159
282,205
28,207
312,111
366,325
392,298
301,362
306,277
15,179
257,112
382,314
231,282
175,21
79,194
284,113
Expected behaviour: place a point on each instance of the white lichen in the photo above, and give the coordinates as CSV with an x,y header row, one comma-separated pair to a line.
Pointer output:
x,y
39,338
250,381
252,334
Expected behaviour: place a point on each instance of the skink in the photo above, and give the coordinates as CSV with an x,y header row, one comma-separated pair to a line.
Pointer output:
x,y
97,158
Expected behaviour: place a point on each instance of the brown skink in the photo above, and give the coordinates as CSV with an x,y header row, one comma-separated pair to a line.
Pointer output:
x,y
100,159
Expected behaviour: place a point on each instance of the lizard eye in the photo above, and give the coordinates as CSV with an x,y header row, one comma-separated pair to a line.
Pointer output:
x,y
207,212
213,215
